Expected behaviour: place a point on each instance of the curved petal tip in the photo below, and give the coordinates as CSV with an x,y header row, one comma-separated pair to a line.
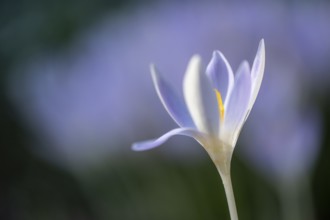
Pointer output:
x,y
153,72
144,145
262,42
150,144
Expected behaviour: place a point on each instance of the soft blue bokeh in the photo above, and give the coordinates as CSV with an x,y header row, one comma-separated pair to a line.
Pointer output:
x,y
79,85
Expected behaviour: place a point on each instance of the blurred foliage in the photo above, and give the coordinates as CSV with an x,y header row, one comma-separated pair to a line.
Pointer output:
x,y
152,186
31,188
321,175
27,27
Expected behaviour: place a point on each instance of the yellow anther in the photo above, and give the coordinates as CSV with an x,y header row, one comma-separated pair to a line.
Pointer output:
x,y
220,104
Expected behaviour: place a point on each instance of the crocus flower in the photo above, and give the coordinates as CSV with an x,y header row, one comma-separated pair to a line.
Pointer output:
x,y
216,105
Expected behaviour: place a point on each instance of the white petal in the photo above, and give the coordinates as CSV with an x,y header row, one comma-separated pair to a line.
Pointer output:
x,y
147,145
221,74
237,109
174,105
257,72
200,97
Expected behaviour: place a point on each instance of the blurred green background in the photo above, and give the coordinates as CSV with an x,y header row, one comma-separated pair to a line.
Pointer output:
x,y
64,163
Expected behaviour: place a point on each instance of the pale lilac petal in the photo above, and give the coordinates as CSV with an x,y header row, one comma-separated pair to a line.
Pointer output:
x,y
257,72
221,74
237,109
146,145
174,105
200,97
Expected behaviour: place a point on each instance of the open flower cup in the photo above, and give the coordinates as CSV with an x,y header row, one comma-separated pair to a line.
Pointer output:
x,y
216,104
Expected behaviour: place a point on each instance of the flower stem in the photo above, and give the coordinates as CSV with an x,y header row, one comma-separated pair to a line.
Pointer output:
x,y
221,155
226,179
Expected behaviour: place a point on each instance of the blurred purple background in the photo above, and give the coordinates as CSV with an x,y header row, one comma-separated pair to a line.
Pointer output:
x,y
85,100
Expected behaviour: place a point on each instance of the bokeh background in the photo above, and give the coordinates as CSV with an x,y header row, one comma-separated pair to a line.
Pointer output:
x,y
76,93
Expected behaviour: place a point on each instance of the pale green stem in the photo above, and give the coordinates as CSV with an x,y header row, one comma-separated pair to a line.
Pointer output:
x,y
226,179
221,155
